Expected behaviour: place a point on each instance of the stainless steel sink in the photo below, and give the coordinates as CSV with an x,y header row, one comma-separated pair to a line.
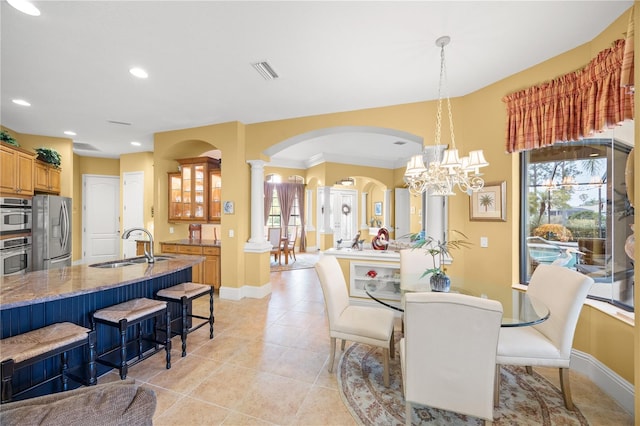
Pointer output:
x,y
113,264
128,262
142,259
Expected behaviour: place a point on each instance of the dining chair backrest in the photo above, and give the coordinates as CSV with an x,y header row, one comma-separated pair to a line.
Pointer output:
x,y
563,291
413,262
334,287
449,351
274,237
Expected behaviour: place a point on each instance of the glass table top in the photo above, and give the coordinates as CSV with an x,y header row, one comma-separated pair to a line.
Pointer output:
x,y
519,308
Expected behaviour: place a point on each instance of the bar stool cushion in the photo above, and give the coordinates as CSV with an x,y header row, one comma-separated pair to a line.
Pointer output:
x,y
189,289
130,310
37,342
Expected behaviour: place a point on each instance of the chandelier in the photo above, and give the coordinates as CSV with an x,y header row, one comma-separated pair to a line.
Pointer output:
x,y
439,170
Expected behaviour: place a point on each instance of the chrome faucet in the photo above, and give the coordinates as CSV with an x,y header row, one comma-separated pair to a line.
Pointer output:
x,y
147,254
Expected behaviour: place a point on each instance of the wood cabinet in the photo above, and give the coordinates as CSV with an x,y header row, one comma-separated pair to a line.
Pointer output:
x,y
194,192
16,170
46,177
207,272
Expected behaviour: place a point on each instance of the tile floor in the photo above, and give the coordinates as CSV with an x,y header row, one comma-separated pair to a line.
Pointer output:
x,y
267,364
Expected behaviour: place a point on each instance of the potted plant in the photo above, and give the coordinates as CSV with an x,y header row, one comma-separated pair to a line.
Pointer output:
x,y
49,155
439,280
7,138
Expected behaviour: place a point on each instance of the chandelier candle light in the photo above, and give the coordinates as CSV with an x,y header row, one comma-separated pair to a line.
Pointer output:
x,y
444,169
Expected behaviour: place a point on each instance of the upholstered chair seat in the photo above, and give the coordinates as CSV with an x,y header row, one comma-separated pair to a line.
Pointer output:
x,y
549,343
363,324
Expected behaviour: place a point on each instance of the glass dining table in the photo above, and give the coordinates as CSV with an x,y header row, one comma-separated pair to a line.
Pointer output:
x,y
519,308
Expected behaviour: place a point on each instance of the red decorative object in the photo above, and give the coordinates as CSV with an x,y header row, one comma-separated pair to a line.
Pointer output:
x,y
372,273
381,241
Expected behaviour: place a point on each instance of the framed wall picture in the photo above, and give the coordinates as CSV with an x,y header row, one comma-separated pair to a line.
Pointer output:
x,y
227,207
377,209
489,204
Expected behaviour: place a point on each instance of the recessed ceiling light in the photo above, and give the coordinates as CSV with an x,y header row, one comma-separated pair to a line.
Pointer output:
x,y
70,133
21,102
25,6
138,72
134,143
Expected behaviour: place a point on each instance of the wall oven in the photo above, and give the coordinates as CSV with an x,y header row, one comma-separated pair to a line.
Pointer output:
x,y
15,256
15,215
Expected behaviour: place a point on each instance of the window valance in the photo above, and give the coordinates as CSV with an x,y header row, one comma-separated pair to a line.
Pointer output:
x,y
571,107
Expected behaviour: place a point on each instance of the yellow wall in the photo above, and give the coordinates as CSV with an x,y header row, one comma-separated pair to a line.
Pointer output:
x,y
480,122
86,166
140,162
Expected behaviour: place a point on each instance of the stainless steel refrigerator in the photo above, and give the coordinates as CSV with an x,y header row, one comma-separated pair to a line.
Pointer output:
x,y
51,232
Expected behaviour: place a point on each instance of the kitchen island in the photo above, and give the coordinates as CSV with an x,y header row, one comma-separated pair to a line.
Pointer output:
x,y
37,299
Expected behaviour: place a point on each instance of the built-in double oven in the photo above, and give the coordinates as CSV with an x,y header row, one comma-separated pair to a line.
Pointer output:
x,y
15,235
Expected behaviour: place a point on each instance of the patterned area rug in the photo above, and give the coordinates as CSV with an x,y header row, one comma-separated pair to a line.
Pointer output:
x,y
303,261
524,399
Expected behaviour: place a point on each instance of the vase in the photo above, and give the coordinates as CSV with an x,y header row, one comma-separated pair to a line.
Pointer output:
x,y
440,283
629,245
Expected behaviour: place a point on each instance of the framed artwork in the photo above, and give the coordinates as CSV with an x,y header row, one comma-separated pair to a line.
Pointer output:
x,y
489,204
227,207
377,209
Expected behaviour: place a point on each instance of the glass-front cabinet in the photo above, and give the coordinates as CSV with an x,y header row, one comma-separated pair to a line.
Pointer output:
x,y
194,191
215,195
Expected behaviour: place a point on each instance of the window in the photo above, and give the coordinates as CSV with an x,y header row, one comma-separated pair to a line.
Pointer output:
x,y
274,220
575,212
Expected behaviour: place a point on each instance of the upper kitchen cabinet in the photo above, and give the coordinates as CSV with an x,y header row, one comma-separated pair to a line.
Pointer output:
x,y
194,192
47,178
16,176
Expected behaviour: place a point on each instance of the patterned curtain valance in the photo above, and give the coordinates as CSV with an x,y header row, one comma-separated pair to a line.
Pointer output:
x,y
571,107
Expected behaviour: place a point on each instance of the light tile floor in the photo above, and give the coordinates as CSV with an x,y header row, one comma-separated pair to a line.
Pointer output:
x,y
267,364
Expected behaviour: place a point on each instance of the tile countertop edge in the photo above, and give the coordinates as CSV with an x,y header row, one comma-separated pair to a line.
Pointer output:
x,y
56,284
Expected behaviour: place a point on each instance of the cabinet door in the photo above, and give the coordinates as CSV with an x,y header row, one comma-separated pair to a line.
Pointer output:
x,y
25,174
215,195
211,274
54,180
8,172
175,196
187,184
199,192
41,174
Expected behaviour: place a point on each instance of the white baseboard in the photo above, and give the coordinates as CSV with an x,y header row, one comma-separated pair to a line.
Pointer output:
x,y
232,293
605,378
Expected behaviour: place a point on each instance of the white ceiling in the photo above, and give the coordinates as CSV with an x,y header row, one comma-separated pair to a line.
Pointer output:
x,y
71,63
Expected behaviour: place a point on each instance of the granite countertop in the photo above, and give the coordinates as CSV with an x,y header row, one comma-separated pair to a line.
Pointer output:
x,y
199,243
43,286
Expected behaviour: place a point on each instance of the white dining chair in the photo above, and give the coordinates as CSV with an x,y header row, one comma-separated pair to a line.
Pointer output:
x,y
413,263
448,354
549,343
363,324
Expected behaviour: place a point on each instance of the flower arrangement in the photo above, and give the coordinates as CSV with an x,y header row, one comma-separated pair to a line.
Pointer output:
x,y
438,248
49,155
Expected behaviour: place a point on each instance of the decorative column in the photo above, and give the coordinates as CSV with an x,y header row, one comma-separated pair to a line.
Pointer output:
x,y
387,209
363,213
257,241
308,221
434,220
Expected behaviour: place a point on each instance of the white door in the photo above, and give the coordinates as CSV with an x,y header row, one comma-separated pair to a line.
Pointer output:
x,y
100,218
402,209
132,210
344,215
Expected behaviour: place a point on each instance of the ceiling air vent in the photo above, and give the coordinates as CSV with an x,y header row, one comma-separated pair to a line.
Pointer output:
x,y
265,70
84,147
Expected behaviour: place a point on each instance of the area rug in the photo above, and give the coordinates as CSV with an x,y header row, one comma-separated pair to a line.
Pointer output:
x,y
524,399
304,261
